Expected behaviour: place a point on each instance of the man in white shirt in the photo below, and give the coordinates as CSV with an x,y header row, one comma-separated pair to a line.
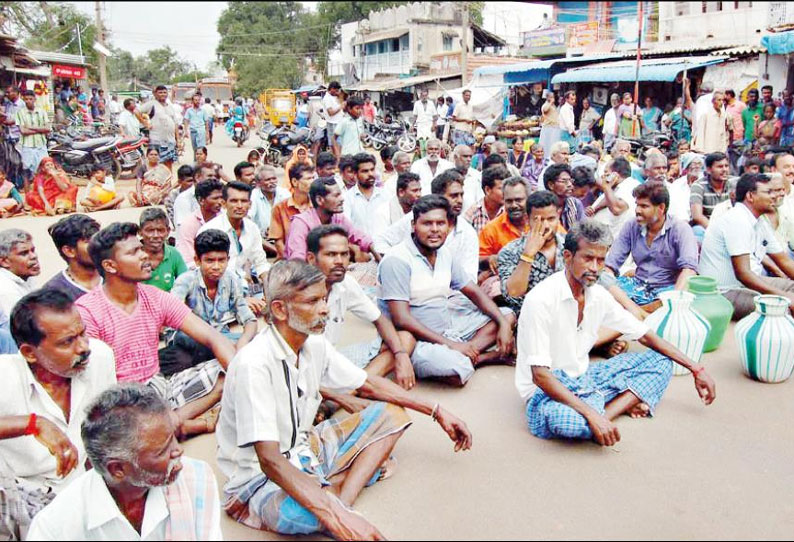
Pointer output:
x,y
736,244
425,115
472,181
691,168
363,199
19,264
567,122
209,113
616,204
43,393
333,110
247,256
442,111
328,249
409,190
462,238
270,400
566,396
417,279
464,121
114,106
431,165
611,122
128,122
140,487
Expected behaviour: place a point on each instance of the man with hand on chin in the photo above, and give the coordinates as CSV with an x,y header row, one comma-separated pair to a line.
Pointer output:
x,y
566,396
267,445
43,394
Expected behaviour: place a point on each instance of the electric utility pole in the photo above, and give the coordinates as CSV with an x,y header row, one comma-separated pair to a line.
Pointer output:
x,y
464,44
103,68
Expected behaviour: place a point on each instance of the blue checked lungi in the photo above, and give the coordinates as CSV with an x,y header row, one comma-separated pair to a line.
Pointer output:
x,y
31,158
645,374
362,353
460,137
639,291
198,139
335,443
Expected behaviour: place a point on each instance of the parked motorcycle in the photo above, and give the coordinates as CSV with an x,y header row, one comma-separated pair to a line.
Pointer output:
x,y
80,157
640,145
379,134
128,152
280,141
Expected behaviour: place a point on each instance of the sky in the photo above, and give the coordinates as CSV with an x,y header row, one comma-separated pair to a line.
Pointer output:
x,y
190,28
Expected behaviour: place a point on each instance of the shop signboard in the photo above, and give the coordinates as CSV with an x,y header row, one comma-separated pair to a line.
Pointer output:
x,y
69,72
445,63
549,41
582,34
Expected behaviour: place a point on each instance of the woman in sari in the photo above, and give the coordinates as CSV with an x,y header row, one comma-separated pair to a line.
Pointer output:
x,y
52,192
768,130
549,123
300,155
153,181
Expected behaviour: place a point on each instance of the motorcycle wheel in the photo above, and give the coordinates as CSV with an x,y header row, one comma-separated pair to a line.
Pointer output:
x,y
366,140
407,143
377,145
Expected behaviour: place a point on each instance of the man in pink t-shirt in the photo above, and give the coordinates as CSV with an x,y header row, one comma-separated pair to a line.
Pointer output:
x,y
128,316
734,108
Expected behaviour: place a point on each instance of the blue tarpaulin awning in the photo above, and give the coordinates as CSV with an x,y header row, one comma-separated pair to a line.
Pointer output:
x,y
536,71
779,44
652,69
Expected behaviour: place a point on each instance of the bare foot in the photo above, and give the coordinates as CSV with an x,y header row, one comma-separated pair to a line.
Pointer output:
x,y
387,469
641,410
211,418
616,347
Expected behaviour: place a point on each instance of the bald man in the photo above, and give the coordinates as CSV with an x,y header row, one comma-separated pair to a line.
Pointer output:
x,y
472,182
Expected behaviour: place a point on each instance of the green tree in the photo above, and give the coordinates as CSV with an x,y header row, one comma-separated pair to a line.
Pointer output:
x,y
266,43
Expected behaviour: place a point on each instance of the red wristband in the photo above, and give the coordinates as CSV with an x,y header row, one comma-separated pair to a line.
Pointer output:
x,y
31,428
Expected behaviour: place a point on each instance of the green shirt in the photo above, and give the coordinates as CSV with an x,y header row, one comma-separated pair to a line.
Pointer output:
x,y
169,269
750,122
32,119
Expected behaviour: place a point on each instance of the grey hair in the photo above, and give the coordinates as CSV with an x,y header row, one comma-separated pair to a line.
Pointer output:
x,y
515,181
620,142
260,171
288,277
400,156
590,231
499,145
652,160
434,141
11,238
110,430
558,146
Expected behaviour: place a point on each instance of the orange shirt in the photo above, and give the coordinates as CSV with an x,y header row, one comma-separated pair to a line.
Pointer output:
x,y
496,234
283,213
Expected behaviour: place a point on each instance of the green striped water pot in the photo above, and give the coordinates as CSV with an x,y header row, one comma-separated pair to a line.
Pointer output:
x,y
677,322
766,340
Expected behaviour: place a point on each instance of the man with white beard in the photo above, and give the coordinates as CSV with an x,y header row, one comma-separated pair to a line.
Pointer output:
x,y
140,487
431,165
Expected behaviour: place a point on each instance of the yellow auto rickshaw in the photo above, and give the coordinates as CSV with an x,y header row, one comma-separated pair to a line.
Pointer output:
x,y
279,106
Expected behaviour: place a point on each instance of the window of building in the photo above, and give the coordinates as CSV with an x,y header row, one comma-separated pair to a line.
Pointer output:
x,y
711,7
395,45
404,42
372,49
382,46
447,43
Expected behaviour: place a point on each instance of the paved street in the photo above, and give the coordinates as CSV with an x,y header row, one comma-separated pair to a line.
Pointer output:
x,y
728,465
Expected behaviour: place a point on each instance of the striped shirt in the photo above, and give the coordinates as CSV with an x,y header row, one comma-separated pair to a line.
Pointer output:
x,y
134,337
32,119
702,193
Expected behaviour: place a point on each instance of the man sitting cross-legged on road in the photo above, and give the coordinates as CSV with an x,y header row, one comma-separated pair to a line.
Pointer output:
x,y
664,249
566,396
417,279
285,474
128,316
216,294
43,394
329,250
